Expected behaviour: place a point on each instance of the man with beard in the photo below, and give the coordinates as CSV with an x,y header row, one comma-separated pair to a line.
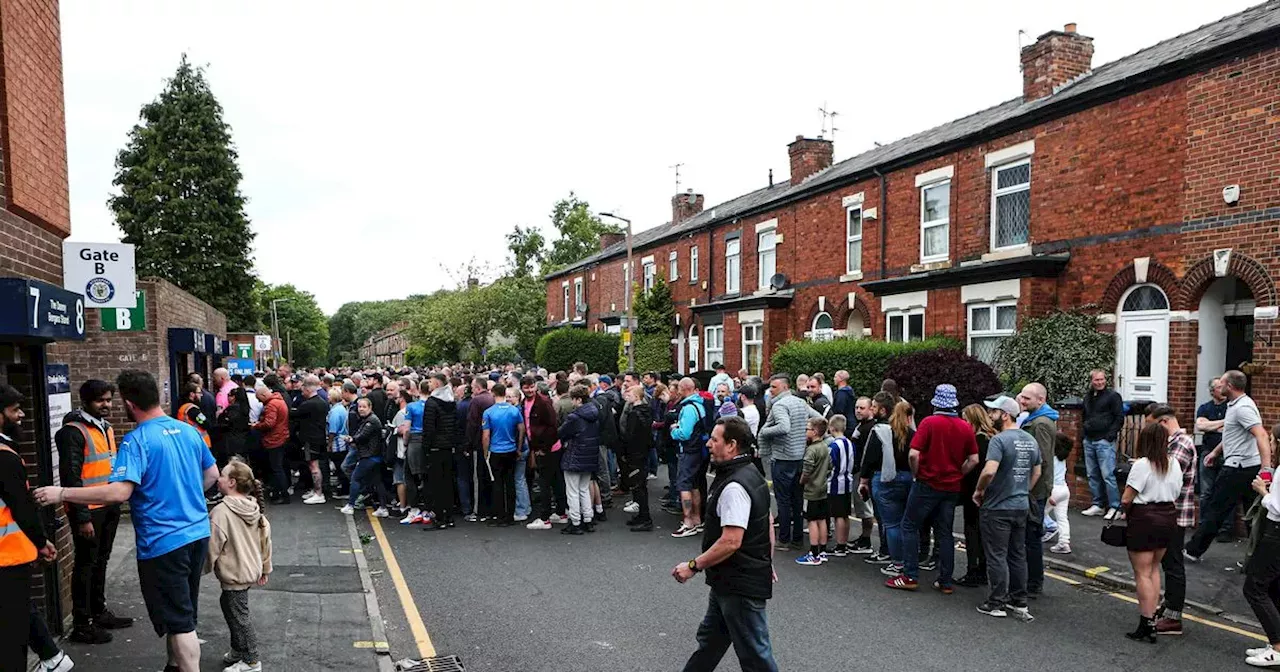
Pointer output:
x,y
86,447
18,547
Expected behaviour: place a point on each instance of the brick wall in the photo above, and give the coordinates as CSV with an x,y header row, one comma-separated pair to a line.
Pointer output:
x,y
35,138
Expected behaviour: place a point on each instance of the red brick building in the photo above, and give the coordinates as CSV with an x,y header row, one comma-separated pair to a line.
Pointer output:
x,y
1147,189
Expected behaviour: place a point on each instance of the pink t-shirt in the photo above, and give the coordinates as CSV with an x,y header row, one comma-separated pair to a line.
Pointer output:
x,y
528,427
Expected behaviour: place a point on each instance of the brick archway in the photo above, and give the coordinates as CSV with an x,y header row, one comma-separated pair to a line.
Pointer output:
x,y
841,312
1157,274
1200,275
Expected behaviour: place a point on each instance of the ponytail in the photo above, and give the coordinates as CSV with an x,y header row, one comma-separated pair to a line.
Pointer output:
x,y
256,493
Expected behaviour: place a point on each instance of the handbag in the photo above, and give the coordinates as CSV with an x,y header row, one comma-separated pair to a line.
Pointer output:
x,y
1115,533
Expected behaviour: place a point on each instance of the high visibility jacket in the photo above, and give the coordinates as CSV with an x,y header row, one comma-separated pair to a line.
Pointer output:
x,y
99,456
15,547
182,415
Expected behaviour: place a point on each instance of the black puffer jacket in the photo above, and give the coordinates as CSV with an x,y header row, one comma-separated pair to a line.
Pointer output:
x,y
439,424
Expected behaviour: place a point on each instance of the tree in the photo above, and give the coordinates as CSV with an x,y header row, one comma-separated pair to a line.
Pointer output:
x,y
579,233
301,321
180,201
527,246
654,309
520,304
1057,350
358,320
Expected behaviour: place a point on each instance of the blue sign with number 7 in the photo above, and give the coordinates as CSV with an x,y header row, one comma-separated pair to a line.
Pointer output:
x,y
39,310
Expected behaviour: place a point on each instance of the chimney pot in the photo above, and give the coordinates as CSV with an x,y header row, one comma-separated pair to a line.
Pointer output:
x,y
685,206
1069,28
1055,59
609,239
808,156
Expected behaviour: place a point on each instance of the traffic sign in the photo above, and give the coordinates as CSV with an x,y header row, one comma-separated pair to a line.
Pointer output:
x,y
127,319
244,350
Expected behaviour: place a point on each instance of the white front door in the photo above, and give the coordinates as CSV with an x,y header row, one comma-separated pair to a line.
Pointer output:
x,y
1144,357
693,353
679,341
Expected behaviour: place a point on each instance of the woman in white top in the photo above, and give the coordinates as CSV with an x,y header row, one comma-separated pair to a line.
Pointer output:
x,y
1148,500
1262,573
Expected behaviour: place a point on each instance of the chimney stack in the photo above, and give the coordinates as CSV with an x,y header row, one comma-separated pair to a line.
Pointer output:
x,y
808,156
685,206
610,239
1056,58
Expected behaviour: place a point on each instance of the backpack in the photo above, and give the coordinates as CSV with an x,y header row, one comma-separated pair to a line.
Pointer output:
x,y
608,420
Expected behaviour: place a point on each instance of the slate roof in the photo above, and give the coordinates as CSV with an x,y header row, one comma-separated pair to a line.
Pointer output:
x,y
1250,25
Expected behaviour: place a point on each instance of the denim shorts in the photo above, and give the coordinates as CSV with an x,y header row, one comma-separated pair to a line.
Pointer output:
x,y
397,473
689,469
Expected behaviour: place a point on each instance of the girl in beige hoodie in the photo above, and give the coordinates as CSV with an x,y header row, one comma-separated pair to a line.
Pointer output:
x,y
240,556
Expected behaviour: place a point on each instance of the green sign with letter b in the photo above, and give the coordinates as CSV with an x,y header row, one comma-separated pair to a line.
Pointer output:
x,y
127,319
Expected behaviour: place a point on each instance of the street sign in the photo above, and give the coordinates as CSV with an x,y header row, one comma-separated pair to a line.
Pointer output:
x,y
244,351
262,342
127,319
243,367
103,272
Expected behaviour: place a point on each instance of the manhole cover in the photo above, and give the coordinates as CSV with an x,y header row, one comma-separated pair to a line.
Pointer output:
x,y
435,664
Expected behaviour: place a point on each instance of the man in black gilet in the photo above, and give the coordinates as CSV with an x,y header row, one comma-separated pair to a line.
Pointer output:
x,y
737,551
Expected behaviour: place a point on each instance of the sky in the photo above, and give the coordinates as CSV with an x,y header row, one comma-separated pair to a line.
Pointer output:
x,y
410,137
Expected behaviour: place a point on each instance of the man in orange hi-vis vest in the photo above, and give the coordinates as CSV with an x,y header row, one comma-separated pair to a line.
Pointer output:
x,y
191,413
22,538
86,450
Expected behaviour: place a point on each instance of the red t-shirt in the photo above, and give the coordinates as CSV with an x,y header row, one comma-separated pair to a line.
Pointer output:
x,y
944,442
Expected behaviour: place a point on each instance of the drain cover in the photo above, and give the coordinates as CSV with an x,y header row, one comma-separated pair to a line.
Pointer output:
x,y
435,664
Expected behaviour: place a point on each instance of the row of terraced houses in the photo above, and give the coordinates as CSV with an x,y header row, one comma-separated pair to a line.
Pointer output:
x,y
1146,189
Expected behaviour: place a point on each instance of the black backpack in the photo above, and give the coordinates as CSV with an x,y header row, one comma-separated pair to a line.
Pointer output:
x,y
605,402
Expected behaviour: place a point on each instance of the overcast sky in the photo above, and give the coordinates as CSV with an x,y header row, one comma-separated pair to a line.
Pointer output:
x,y
419,133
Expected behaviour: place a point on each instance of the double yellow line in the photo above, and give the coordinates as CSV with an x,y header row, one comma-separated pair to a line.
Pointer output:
x,y
425,648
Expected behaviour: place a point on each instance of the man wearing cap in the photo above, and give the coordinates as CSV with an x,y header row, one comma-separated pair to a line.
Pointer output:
x,y
943,450
1012,464
722,376
1042,423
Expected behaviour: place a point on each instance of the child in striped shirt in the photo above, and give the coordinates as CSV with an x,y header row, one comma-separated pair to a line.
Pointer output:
x,y
841,482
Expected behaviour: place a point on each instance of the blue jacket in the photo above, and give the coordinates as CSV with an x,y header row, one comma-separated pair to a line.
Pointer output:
x,y
580,439
687,429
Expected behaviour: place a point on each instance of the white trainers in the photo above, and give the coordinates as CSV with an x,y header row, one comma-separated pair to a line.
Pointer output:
x,y
538,524
1111,514
631,507
557,519
348,510
520,519
1094,510
61,662
651,477
1268,658
382,512
413,513
242,666
1060,548
1250,653
313,498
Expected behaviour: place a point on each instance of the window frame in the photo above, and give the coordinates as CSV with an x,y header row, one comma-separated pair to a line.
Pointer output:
x,y
746,361
761,277
673,265
905,315
707,350
849,240
564,286
648,275
693,263
944,222
994,331
577,297
816,334
733,266
996,193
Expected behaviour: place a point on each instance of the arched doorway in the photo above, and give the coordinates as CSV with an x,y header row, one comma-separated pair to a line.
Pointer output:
x,y
694,347
1226,331
1142,347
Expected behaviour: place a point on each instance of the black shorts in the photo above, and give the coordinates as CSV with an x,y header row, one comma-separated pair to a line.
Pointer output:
x,y
840,506
816,510
314,451
171,587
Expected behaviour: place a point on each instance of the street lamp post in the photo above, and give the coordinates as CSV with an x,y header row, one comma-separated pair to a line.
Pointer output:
x,y
631,338
275,332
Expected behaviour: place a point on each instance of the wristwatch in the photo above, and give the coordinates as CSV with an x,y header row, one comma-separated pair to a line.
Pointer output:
x,y
693,566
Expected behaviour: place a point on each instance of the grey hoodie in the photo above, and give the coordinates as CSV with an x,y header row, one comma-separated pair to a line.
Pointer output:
x,y
784,430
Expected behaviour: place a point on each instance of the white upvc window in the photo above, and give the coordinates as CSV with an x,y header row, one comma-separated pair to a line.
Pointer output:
x,y
732,265
767,256
904,325
673,266
753,348
853,239
1011,205
650,273
693,263
935,221
823,328
989,325
713,338
565,287
577,297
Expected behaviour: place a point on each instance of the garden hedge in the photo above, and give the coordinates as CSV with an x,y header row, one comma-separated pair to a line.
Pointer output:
x,y
653,353
918,373
865,360
558,350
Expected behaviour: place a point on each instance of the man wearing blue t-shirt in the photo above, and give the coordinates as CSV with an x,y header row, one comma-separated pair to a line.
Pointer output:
x,y
162,469
503,427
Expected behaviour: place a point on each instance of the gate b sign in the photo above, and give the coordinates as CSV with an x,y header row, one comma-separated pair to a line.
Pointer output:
x,y
102,272
127,319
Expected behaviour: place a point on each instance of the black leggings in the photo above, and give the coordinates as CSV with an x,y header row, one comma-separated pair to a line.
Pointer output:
x,y
635,477
1262,581
550,486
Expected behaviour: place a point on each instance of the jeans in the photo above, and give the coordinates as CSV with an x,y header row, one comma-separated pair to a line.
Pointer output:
x,y
651,462
368,472
523,506
975,558
1262,580
440,484
550,485
611,458
279,477
1034,547
1207,477
326,468
603,476
89,576
462,468
927,506
673,495
504,485
890,498
349,462
1231,483
38,637
1175,572
1004,540
740,621
788,493
1100,464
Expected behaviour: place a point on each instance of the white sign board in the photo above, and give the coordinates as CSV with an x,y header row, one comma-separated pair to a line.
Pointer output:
x,y
262,342
103,272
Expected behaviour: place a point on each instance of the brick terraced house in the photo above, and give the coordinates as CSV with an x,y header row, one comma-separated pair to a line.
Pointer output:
x,y
1147,189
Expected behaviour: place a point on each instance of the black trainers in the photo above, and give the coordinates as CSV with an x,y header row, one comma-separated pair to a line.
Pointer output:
x,y
89,634
878,559
601,517
637,520
861,547
110,621
643,526
972,580
929,564
992,609
571,529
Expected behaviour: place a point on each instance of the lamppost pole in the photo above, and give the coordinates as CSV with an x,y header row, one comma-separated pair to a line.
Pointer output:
x,y
631,339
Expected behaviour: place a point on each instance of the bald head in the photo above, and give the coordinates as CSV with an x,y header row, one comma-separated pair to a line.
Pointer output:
x,y
1032,397
687,387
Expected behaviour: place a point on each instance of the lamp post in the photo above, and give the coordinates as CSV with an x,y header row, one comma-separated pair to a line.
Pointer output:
x,y
275,332
631,342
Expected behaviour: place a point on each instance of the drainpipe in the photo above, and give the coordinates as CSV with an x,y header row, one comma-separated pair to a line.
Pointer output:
x,y
884,228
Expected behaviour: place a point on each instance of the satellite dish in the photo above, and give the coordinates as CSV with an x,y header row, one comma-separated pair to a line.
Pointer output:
x,y
778,281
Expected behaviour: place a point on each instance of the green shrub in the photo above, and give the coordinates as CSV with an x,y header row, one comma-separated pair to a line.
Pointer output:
x,y
919,373
865,360
558,350
502,354
1057,350
653,353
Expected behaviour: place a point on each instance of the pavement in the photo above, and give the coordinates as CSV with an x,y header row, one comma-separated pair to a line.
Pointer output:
x,y
507,599
311,615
